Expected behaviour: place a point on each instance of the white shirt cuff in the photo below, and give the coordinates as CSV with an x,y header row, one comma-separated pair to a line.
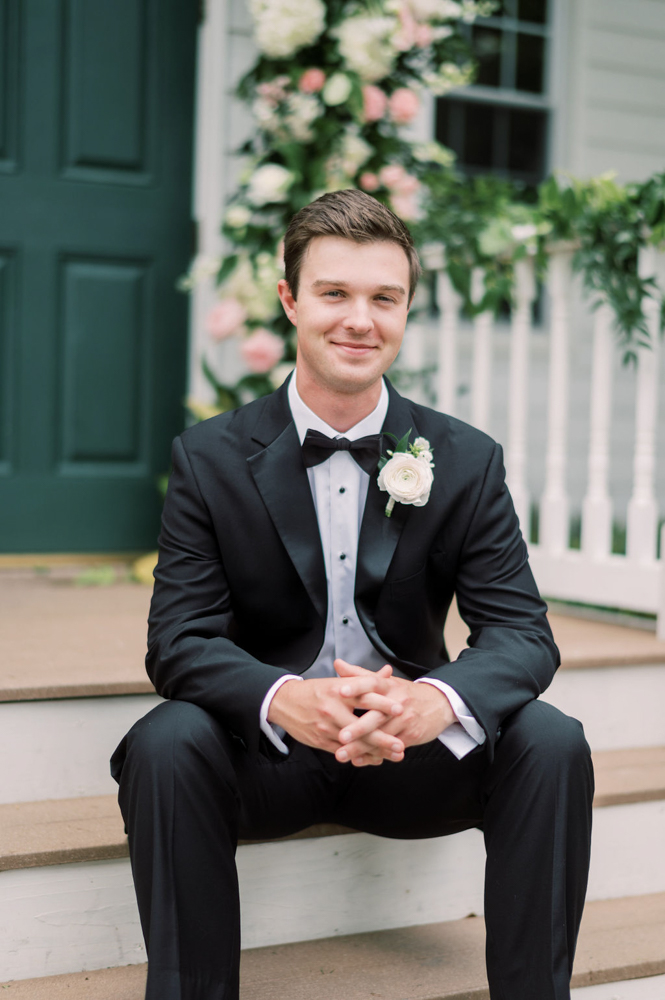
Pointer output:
x,y
465,734
274,733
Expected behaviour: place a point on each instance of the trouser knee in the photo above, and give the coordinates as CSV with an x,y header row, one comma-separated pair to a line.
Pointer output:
x,y
176,737
550,742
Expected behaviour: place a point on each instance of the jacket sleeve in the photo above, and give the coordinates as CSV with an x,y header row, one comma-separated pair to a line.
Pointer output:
x,y
512,656
191,653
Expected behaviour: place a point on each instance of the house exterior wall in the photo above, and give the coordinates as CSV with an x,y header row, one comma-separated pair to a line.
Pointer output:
x,y
610,64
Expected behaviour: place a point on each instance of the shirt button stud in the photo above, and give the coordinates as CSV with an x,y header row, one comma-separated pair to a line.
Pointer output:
x,y
345,621
342,555
342,489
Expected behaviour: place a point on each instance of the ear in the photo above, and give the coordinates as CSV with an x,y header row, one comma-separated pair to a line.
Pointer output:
x,y
287,300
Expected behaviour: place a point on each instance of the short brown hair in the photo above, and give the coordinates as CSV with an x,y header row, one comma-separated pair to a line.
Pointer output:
x,y
353,215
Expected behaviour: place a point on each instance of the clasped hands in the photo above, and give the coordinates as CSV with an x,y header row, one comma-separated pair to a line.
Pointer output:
x,y
398,713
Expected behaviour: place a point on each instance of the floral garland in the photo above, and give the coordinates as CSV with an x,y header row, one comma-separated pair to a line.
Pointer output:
x,y
332,87
330,91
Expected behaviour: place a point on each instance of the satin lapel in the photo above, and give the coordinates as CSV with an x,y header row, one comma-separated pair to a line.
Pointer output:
x,y
282,480
379,534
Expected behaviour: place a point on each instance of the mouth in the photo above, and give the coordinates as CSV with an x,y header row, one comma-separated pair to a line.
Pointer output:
x,y
354,350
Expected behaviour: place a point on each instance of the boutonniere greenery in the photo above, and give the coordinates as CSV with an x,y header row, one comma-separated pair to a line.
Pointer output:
x,y
406,475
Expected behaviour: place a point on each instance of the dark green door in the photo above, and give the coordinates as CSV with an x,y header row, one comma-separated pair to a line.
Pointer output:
x,y
96,121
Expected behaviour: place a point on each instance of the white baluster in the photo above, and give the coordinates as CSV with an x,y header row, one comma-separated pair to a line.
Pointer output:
x,y
449,302
597,504
642,518
412,358
481,379
524,294
555,503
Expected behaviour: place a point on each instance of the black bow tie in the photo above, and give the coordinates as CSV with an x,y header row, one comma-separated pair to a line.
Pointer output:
x,y
317,447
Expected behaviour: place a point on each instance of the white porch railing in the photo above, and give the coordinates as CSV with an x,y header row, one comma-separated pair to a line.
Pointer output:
x,y
592,573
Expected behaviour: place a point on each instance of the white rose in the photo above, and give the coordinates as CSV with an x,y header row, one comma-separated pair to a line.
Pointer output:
x,y
366,45
279,374
407,479
269,183
238,216
336,90
426,456
421,444
524,232
281,27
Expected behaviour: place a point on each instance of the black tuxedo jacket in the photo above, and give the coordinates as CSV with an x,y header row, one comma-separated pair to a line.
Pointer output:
x,y
240,589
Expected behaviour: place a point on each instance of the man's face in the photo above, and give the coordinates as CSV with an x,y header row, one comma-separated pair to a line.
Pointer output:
x,y
351,311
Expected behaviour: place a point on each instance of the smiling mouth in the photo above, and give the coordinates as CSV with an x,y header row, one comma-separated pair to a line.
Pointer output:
x,y
355,349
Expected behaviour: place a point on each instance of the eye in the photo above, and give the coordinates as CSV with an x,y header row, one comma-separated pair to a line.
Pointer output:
x,y
335,292
386,298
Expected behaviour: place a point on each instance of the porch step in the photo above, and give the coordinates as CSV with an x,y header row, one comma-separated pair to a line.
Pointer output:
x,y
61,640
620,939
66,887
62,831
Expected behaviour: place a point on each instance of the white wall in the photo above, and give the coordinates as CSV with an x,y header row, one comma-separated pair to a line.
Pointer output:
x,y
613,115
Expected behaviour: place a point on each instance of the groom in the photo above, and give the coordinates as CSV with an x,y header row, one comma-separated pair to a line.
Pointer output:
x,y
297,632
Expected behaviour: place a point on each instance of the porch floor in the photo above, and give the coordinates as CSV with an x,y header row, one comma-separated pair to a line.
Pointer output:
x,y
63,639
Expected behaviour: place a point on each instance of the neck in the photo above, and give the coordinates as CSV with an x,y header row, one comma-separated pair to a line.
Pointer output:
x,y
341,410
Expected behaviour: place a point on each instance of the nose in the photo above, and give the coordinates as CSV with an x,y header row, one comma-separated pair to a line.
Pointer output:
x,y
358,318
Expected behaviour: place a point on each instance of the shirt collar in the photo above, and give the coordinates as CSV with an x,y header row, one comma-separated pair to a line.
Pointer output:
x,y
304,418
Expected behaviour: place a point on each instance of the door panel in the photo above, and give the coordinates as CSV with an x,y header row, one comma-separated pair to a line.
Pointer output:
x,y
95,187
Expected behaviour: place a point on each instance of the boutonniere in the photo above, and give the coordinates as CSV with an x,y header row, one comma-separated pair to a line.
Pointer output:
x,y
407,475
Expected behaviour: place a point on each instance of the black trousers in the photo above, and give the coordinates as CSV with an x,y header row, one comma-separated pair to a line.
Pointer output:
x,y
189,791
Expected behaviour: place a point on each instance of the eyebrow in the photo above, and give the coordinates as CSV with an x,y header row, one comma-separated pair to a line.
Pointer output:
x,y
344,284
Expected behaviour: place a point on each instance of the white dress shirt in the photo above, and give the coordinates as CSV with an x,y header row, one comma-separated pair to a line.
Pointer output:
x,y
339,489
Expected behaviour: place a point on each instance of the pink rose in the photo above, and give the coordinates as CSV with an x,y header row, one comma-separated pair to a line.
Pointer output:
x,y
312,81
391,175
404,106
407,185
424,35
408,26
375,102
262,350
225,319
404,205
274,91
369,182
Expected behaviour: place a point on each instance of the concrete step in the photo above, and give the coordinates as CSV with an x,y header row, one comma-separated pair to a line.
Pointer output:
x,y
620,940
67,887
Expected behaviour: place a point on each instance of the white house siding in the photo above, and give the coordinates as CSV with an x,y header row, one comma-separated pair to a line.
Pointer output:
x,y
614,110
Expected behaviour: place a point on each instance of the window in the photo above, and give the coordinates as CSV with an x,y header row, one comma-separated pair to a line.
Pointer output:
x,y
500,124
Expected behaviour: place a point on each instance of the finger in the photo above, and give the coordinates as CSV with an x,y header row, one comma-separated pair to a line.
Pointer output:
x,y
345,669
360,727
362,748
381,703
354,687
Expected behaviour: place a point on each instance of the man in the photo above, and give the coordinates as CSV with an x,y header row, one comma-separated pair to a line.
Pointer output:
x,y
278,562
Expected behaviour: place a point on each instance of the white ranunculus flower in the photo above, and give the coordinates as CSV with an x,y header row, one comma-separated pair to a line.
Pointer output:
x,y
354,151
421,444
336,90
524,232
237,216
281,27
269,183
301,111
406,479
366,45
435,10
279,374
